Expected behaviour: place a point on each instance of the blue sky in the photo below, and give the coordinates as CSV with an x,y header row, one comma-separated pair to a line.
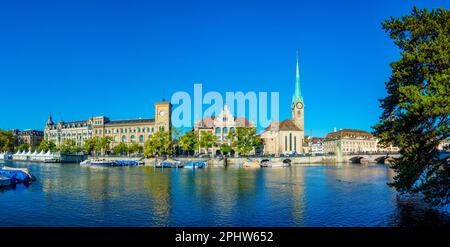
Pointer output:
x,y
77,59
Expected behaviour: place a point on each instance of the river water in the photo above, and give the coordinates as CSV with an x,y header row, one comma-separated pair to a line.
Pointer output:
x,y
314,195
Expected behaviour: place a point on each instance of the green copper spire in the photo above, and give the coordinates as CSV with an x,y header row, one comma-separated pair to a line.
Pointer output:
x,y
297,96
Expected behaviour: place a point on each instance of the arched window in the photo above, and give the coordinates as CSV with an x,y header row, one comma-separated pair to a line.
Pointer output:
x,y
225,131
217,131
139,129
150,136
290,141
141,138
124,138
231,129
116,139
153,129
132,138
126,130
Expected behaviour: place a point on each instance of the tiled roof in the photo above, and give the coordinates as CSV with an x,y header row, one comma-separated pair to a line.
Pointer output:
x,y
131,121
349,133
286,125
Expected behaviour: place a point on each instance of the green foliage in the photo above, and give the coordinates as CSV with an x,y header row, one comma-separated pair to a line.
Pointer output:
x,y
7,141
244,140
225,149
46,146
103,144
135,148
90,145
189,141
120,148
159,144
23,147
69,146
416,111
207,140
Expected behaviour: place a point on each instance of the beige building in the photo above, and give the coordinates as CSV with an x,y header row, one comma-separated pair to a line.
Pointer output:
x,y
350,141
288,136
126,131
282,138
221,125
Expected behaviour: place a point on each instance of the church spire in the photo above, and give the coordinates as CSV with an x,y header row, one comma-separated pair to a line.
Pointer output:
x,y
297,96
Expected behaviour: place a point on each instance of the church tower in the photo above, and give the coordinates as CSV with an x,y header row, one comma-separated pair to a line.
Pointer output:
x,y
297,106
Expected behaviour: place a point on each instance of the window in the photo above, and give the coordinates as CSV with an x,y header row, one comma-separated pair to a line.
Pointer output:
x,y
116,139
153,129
124,138
141,138
290,141
224,119
225,131
132,138
285,143
139,129
217,131
295,143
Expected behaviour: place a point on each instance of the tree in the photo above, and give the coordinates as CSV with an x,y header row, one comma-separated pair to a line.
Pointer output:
x,y
189,141
103,145
23,147
135,148
244,140
225,149
416,110
7,141
69,146
120,148
89,145
207,140
159,144
46,146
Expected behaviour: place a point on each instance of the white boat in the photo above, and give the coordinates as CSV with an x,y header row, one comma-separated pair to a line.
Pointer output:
x,y
85,162
268,163
97,162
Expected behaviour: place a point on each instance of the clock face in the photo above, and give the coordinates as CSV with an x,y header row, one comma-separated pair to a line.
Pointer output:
x,y
299,105
162,113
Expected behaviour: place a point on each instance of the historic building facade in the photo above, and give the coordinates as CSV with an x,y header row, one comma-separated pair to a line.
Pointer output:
x,y
31,137
287,137
221,125
127,131
350,141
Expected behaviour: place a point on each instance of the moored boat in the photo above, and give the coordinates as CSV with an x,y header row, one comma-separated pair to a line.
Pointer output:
x,y
268,163
169,164
196,164
97,162
16,175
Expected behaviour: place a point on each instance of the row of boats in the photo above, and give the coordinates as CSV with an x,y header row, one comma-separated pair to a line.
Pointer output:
x,y
266,163
111,163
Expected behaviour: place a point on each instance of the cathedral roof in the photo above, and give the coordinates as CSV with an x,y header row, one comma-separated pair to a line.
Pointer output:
x,y
286,125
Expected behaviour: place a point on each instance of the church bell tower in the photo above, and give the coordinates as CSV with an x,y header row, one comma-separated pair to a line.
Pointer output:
x,y
297,106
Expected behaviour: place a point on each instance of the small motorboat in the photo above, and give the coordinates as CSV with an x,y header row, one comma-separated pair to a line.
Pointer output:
x,y
85,162
268,163
97,162
196,164
169,164
250,164
16,175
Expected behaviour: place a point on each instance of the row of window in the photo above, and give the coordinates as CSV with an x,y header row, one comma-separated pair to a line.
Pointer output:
x,y
125,130
290,143
223,130
132,138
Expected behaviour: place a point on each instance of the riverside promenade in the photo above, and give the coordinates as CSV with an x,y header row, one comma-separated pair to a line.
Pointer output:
x,y
378,158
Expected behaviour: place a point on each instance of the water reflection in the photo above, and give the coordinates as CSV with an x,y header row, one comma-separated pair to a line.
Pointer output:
x,y
320,195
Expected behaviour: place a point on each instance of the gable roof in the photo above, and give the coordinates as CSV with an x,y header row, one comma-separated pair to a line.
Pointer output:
x,y
286,125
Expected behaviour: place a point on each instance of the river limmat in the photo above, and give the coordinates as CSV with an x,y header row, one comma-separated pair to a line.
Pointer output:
x,y
306,195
